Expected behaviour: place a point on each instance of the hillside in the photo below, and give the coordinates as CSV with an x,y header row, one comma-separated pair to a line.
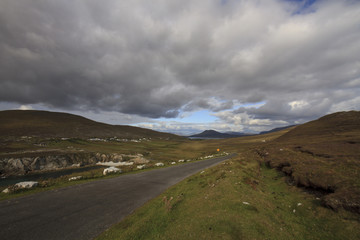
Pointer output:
x,y
19,123
276,129
336,125
324,156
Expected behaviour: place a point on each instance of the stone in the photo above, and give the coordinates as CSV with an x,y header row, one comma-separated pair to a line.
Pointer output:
x,y
27,185
116,164
141,167
160,164
173,163
75,178
181,160
116,157
139,159
111,170
6,190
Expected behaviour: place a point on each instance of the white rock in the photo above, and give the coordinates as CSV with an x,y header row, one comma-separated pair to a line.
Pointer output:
x,y
246,203
294,211
173,163
75,178
111,170
299,204
6,190
160,164
181,160
28,184
141,167
117,164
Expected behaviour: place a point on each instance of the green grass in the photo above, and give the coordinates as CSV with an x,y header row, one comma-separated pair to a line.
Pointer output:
x,y
210,205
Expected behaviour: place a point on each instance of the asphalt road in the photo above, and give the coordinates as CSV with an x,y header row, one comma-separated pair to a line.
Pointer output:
x,y
84,211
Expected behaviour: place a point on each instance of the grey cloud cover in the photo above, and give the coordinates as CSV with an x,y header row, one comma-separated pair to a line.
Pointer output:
x,y
160,58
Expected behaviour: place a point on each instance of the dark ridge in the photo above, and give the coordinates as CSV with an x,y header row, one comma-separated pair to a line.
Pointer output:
x,y
17,123
213,134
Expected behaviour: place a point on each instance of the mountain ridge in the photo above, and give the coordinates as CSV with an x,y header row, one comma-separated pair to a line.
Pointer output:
x,y
212,134
17,123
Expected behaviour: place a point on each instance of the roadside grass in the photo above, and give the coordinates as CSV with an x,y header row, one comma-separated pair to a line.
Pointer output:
x,y
240,198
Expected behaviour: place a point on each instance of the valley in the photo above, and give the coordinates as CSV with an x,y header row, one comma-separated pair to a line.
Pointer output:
x,y
301,182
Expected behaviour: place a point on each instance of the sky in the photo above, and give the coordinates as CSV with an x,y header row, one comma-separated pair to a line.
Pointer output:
x,y
182,66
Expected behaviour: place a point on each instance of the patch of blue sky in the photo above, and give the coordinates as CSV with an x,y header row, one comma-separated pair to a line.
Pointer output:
x,y
304,6
206,116
202,116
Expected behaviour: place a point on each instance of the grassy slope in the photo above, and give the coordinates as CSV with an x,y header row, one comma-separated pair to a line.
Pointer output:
x,y
323,154
211,205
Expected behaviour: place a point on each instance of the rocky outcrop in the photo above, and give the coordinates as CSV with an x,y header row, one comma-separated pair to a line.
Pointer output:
x,y
22,165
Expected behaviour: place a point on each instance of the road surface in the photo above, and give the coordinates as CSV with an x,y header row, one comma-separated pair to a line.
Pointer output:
x,y
84,211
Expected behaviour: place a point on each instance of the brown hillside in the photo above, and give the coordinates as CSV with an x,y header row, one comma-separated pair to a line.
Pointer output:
x,y
54,124
340,125
322,155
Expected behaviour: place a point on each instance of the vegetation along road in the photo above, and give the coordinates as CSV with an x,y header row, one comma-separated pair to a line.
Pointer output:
x,y
84,211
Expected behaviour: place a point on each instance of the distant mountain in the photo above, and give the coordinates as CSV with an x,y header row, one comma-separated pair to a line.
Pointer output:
x,y
213,134
19,123
277,129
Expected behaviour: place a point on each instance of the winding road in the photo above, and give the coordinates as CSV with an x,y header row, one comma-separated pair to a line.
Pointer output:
x,y
84,211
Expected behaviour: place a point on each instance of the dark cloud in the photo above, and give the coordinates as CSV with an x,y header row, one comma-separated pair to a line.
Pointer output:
x,y
161,58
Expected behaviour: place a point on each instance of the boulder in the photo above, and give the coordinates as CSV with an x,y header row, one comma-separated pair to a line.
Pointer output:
x,y
28,185
116,157
160,164
6,190
111,170
141,166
